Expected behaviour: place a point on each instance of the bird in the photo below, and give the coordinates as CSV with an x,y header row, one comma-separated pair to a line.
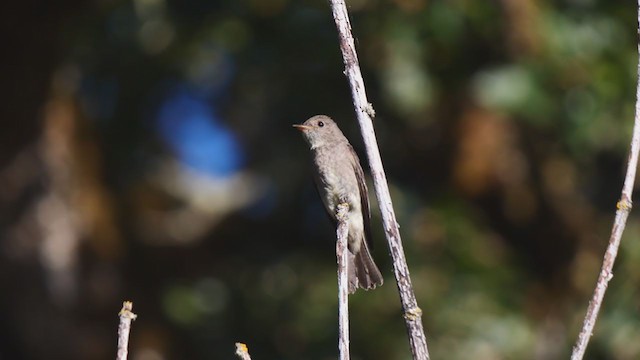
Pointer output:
x,y
339,179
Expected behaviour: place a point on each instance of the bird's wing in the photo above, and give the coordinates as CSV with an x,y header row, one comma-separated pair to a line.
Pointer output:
x,y
364,195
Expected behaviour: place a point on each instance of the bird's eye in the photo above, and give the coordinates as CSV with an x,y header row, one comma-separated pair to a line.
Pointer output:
x,y
320,123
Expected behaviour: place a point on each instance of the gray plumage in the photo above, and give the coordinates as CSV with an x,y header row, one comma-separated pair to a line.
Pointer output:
x,y
339,178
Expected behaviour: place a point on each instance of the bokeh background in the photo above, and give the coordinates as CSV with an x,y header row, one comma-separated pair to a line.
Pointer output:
x,y
147,154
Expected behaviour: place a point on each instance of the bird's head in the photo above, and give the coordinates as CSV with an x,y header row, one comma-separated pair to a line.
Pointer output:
x,y
320,130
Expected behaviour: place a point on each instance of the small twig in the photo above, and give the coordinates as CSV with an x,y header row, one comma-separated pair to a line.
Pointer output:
x,y
242,351
342,253
126,316
624,207
364,113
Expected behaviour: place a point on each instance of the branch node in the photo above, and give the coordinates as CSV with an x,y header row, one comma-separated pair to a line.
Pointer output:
x,y
624,204
369,110
609,276
341,211
413,314
126,311
242,351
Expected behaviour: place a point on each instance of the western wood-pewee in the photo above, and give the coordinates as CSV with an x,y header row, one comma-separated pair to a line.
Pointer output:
x,y
340,179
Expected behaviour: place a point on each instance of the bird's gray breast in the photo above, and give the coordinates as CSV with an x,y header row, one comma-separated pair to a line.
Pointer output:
x,y
336,177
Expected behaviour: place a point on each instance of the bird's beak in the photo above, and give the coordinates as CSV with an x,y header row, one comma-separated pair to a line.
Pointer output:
x,y
302,127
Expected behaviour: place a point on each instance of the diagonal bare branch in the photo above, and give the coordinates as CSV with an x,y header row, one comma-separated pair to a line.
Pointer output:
x,y
364,113
624,207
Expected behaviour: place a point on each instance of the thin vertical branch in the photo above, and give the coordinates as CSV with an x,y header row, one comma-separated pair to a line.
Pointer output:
x,y
624,207
364,113
342,253
242,351
126,316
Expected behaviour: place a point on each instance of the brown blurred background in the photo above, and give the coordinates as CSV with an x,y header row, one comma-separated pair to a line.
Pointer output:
x,y
147,154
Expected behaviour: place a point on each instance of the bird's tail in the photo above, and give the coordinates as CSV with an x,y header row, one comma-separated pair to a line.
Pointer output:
x,y
363,272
